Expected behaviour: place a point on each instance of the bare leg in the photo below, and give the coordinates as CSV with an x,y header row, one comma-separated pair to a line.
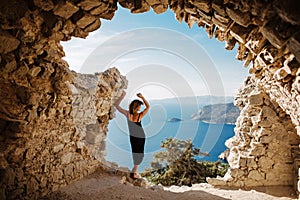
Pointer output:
x,y
135,170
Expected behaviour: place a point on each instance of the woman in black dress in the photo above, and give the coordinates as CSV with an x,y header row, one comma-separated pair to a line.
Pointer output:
x,y
137,135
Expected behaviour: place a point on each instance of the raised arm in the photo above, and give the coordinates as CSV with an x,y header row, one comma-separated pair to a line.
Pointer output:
x,y
118,107
144,112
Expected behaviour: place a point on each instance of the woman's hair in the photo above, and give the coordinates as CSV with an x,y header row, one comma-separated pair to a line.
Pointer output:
x,y
133,107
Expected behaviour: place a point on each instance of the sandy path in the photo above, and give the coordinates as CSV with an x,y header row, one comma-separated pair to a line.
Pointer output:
x,y
110,187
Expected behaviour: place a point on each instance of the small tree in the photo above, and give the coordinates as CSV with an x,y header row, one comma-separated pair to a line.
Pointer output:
x,y
177,165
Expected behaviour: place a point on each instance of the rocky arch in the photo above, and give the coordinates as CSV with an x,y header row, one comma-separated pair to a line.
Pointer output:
x,y
46,111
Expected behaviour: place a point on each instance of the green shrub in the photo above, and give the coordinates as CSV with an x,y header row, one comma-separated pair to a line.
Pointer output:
x,y
177,165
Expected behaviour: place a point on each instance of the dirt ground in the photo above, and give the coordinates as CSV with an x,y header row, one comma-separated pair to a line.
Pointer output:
x,y
107,186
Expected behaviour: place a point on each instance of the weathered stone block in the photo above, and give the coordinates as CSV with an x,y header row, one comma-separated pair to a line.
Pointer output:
x,y
93,26
265,163
256,43
283,72
85,21
219,9
294,45
256,175
101,8
89,4
66,158
270,32
68,28
65,9
283,168
243,19
220,22
239,173
256,99
159,8
251,163
239,33
68,171
296,84
135,6
153,2
268,112
230,42
8,176
32,186
17,154
90,138
272,176
286,178
34,71
8,42
204,5
57,176
46,5
224,20
259,63
257,149
57,148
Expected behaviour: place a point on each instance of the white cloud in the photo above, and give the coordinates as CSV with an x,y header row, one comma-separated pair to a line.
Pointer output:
x,y
77,49
130,50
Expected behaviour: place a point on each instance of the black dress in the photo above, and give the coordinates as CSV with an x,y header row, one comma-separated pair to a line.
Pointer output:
x,y
137,140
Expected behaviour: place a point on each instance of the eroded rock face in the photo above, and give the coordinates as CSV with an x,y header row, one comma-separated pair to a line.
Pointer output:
x,y
261,152
65,141
53,121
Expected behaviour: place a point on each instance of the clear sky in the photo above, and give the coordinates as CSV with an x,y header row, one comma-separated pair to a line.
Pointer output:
x,y
161,57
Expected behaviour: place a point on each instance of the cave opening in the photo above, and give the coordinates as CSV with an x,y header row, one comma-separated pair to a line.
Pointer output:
x,y
51,117
155,45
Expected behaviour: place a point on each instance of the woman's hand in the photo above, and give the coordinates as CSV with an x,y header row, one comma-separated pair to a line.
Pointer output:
x,y
143,113
139,95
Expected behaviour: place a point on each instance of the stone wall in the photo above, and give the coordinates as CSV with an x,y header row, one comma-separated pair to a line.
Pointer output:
x,y
261,150
92,109
65,142
42,148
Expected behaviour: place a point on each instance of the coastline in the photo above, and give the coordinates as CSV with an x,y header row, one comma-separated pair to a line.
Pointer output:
x,y
209,122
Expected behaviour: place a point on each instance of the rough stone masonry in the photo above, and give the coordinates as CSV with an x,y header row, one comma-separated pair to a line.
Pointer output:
x,y
53,121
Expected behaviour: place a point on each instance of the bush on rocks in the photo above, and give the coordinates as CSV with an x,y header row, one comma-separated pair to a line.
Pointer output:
x,y
177,165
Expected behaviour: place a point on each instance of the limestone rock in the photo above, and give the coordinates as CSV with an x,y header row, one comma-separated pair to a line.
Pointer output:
x,y
158,8
255,175
256,99
269,31
46,5
9,42
266,163
101,8
294,45
282,73
89,4
65,9
66,158
239,17
85,21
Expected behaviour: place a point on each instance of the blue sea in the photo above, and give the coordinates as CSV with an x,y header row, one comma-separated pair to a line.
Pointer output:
x,y
210,138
